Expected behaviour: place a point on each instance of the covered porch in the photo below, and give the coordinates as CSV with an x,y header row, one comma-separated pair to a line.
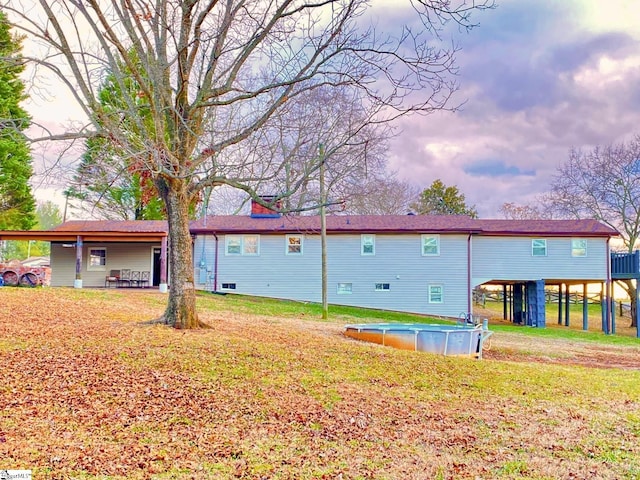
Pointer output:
x,y
83,253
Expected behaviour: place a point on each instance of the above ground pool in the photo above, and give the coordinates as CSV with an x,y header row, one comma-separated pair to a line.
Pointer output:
x,y
422,337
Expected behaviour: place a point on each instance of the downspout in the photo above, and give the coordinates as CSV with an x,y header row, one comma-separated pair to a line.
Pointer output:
x,y
215,264
469,292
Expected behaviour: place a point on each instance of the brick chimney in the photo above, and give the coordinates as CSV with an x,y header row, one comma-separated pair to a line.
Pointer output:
x,y
259,211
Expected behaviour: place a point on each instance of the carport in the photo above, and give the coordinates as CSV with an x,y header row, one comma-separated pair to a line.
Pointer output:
x,y
78,233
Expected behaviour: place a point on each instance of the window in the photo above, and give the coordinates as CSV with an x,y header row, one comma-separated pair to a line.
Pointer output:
x,y
367,244
430,245
436,294
344,289
294,245
381,287
97,260
242,245
251,245
228,286
578,247
234,245
539,247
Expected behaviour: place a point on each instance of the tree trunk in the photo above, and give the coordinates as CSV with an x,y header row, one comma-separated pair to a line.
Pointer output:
x,y
181,308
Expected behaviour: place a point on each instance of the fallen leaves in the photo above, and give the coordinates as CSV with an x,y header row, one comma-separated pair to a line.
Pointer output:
x,y
87,392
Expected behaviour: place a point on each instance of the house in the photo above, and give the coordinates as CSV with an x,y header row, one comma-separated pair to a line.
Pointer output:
x,y
411,263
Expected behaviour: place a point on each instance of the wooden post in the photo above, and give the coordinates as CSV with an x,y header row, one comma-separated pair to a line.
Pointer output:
x,y
560,304
163,287
78,280
323,236
603,309
585,308
504,301
566,306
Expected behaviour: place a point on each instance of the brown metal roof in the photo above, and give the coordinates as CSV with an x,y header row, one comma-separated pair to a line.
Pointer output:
x,y
124,226
96,231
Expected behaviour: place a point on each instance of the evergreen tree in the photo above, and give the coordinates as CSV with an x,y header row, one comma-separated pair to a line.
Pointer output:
x,y
439,199
17,205
47,216
109,182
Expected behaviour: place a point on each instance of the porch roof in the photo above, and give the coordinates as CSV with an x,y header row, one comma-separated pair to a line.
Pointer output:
x,y
96,231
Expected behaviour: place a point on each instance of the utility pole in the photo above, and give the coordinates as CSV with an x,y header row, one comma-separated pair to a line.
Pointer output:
x,y
323,235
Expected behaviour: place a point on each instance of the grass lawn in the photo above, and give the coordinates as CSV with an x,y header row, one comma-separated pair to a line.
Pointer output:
x,y
273,392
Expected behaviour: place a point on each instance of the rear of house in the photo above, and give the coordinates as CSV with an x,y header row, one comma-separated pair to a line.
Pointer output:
x,y
421,264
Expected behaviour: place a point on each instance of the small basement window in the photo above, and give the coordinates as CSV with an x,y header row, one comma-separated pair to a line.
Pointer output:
x,y
345,289
436,294
228,286
382,287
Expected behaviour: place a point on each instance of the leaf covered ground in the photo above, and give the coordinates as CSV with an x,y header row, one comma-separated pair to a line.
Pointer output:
x,y
88,392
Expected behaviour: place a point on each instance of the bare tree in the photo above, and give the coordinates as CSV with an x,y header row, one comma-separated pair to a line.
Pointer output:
x,y
603,183
514,211
383,194
214,75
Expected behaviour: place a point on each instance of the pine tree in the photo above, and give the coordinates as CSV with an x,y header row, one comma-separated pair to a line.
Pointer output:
x,y
17,205
440,199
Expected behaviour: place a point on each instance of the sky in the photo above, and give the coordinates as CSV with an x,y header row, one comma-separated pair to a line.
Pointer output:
x,y
537,77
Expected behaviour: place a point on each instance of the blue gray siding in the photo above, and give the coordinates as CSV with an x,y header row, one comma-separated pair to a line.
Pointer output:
x,y
397,261
510,258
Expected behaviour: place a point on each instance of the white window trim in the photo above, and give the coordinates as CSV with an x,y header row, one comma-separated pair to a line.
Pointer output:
x,y
96,268
573,249
423,238
364,237
287,245
227,239
533,248
242,239
257,252
436,285
343,290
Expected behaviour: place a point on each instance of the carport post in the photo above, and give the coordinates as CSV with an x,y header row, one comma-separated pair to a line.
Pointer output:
x,y
77,283
163,266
